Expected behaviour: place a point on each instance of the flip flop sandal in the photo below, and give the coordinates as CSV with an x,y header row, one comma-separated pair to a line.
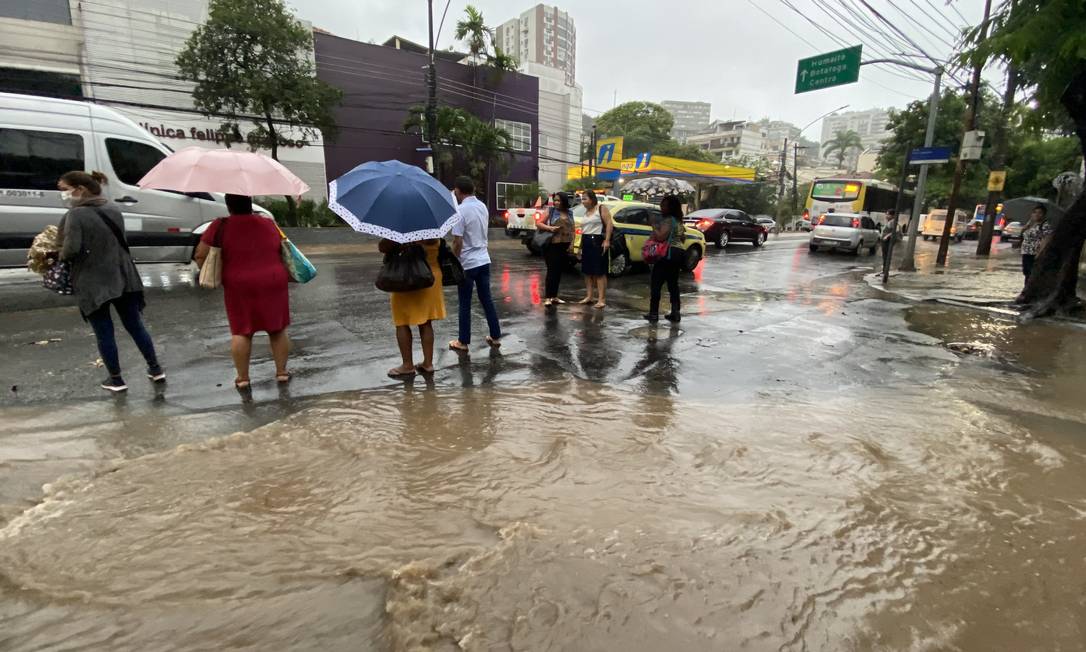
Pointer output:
x,y
283,378
424,371
401,375
242,384
493,342
458,346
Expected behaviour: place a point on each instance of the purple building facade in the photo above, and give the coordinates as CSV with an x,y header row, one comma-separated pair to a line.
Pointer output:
x,y
381,83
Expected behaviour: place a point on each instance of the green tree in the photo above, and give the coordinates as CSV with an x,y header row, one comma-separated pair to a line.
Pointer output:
x,y
1036,162
755,198
1046,41
841,144
644,126
463,138
252,61
472,29
685,151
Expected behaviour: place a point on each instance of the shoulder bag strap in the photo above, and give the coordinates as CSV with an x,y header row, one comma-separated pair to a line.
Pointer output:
x,y
112,227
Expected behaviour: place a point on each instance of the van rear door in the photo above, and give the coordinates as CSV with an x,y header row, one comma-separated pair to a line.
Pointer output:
x,y
159,223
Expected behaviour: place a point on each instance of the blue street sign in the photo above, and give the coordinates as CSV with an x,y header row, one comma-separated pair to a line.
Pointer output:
x,y
929,155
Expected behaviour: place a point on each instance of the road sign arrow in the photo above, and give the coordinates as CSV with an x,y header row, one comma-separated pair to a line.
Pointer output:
x,y
803,75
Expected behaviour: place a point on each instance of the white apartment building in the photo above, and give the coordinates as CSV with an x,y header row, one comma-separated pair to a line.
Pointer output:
x,y
731,139
544,41
870,124
690,118
121,53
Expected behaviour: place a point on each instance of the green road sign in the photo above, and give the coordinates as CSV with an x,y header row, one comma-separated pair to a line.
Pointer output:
x,y
830,69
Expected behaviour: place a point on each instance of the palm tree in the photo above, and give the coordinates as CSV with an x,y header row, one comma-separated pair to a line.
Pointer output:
x,y
841,144
501,63
462,135
472,29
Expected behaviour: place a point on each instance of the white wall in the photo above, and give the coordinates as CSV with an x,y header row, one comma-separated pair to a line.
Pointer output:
x,y
129,52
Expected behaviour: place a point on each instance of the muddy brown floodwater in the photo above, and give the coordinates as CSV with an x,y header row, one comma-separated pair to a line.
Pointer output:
x,y
942,508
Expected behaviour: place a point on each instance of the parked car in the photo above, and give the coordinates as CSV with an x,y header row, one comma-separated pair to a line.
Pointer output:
x,y
847,231
41,138
634,222
1012,233
768,222
724,226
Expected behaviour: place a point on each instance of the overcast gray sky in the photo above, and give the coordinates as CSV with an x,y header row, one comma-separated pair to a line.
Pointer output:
x,y
737,54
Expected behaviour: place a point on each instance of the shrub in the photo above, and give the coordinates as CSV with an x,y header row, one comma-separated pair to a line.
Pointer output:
x,y
308,213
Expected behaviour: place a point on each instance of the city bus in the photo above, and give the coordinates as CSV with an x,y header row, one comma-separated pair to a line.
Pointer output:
x,y
868,197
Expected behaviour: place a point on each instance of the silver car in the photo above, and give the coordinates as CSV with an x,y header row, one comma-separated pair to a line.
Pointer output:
x,y
847,231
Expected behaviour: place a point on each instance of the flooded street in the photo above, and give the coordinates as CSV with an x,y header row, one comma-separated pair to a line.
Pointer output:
x,y
808,463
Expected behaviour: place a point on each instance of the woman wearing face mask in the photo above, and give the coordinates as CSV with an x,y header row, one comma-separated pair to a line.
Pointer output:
x,y
92,241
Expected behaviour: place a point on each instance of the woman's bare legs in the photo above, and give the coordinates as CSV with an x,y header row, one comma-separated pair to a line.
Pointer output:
x,y
601,291
426,336
280,349
241,349
589,285
404,340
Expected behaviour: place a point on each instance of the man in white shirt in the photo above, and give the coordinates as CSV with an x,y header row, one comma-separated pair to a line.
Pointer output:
x,y
470,246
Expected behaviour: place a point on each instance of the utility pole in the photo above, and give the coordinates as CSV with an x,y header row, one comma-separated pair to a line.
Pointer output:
x,y
970,124
999,156
592,156
907,262
781,172
888,253
431,83
795,178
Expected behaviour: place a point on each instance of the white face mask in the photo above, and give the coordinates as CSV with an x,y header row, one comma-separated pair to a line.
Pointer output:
x,y
66,196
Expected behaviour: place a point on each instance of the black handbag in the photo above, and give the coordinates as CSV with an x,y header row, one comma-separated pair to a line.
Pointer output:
x,y
452,272
405,270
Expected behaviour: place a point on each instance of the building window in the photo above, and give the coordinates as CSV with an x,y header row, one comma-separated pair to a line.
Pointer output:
x,y
34,160
503,190
47,11
520,134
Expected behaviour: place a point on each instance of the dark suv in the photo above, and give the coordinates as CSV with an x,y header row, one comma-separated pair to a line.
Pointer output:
x,y
724,226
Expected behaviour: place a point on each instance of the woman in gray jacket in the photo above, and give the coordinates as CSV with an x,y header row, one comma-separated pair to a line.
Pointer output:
x,y
92,241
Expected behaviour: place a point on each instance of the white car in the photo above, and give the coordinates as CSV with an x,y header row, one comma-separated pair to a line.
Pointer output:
x,y
847,231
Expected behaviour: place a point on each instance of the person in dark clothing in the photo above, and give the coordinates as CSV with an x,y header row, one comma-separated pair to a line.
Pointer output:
x,y
92,241
670,229
556,252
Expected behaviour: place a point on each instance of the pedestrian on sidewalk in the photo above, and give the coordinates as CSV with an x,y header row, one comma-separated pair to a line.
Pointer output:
x,y
560,224
470,241
669,229
890,234
416,308
92,241
1034,238
596,230
254,282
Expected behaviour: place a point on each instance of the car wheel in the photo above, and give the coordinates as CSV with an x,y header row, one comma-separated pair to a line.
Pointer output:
x,y
722,239
620,263
813,248
759,240
693,257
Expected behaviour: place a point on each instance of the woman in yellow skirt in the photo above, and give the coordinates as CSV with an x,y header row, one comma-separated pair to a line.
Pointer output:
x,y
418,308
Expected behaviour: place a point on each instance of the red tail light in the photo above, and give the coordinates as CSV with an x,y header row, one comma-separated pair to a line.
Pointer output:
x,y
505,216
704,224
806,213
580,231
1002,222
855,223
821,220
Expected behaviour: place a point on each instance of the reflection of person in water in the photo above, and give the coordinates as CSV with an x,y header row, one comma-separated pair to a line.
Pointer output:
x,y
658,375
597,354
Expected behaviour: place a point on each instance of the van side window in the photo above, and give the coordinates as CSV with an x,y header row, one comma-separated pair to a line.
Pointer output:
x,y
34,160
131,160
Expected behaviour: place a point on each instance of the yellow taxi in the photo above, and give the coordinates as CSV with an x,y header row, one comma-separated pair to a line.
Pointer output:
x,y
633,227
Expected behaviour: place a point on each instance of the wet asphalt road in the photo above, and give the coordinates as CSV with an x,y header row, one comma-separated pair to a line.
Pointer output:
x,y
772,322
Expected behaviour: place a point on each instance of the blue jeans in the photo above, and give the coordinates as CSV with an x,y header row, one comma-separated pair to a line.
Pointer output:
x,y
128,309
478,277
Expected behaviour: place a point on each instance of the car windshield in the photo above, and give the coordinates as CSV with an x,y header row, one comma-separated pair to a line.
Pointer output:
x,y
836,220
836,190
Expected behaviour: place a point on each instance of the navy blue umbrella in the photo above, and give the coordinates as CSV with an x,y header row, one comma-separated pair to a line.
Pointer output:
x,y
393,200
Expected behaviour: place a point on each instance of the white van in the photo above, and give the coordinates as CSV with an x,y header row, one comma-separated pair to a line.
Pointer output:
x,y
41,138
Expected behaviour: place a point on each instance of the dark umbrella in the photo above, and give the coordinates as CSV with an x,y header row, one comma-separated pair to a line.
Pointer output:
x,y
1018,209
393,200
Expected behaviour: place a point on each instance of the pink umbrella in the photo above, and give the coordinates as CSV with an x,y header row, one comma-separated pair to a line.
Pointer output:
x,y
195,169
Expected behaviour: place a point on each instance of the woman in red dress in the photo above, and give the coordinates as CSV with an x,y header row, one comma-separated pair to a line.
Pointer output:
x,y
254,282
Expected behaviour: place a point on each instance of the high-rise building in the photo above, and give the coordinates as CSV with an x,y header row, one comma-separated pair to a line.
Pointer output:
x,y
690,117
870,124
544,41
543,35
732,139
